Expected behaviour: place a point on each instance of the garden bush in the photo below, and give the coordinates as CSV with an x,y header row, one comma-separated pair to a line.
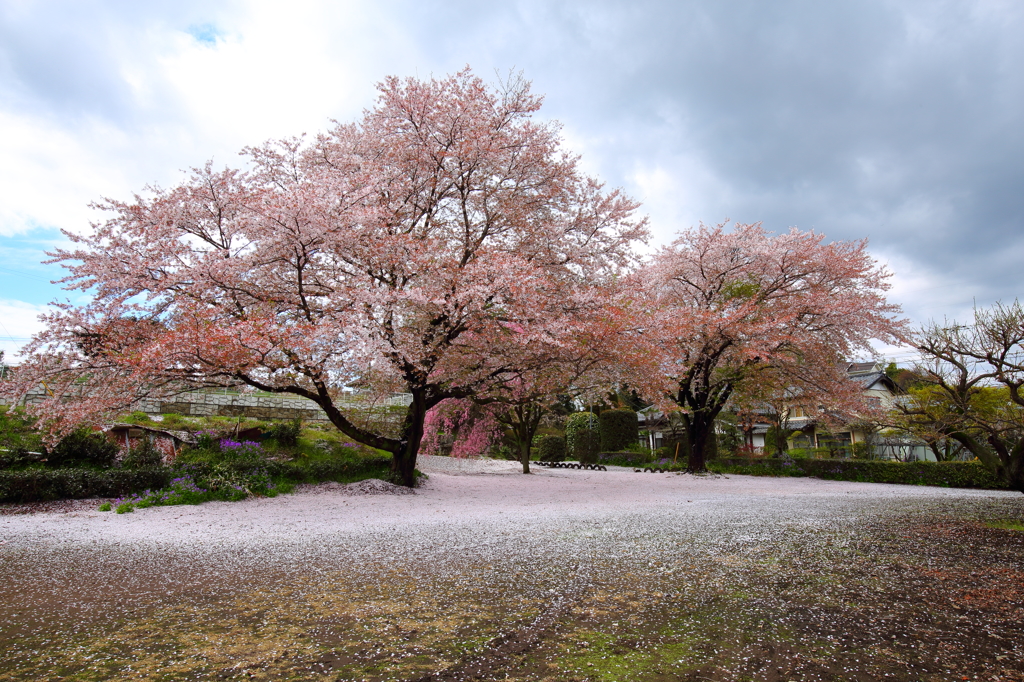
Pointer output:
x,y
181,490
142,456
222,467
18,439
551,448
82,447
18,458
285,434
619,429
582,436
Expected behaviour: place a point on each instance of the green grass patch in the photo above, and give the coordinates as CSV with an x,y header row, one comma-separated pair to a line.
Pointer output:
x,y
1006,524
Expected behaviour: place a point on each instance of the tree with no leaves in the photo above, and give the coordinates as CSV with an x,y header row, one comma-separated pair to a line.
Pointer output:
x,y
427,248
727,306
974,375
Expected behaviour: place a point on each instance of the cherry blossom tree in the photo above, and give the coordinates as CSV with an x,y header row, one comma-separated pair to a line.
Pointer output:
x,y
582,363
424,249
728,305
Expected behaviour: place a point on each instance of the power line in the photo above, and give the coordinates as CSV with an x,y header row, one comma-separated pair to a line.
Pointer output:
x,y
25,275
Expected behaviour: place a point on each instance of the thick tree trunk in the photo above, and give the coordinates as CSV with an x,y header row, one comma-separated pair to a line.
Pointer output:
x,y
524,430
403,459
1005,462
403,467
776,434
699,429
1015,467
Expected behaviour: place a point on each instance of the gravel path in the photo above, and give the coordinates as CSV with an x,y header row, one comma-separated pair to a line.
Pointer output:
x,y
360,583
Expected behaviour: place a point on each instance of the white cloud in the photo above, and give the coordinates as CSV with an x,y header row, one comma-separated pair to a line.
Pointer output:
x,y
679,195
18,322
269,73
927,294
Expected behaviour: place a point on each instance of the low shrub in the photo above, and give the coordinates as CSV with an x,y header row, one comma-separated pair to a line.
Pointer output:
x,y
181,490
207,440
221,466
243,475
625,458
18,439
212,449
142,456
32,485
285,434
19,458
808,453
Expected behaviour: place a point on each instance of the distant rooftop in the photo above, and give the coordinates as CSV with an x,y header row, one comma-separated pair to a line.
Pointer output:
x,y
863,368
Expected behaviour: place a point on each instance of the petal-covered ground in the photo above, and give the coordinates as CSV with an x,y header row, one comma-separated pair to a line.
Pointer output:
x,y
487,574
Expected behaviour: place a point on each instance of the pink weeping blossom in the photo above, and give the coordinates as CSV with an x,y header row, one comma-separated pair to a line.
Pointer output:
x,y
461,428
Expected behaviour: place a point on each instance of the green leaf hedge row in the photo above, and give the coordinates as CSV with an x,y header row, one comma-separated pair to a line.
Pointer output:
x,y
32,485
944,474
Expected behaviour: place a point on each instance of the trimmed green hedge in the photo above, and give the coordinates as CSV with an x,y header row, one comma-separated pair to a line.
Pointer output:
x,y
619,429
32,485
551,448
943,474
329,470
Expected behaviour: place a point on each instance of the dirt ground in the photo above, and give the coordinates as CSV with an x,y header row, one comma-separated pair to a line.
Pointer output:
x,y
486,574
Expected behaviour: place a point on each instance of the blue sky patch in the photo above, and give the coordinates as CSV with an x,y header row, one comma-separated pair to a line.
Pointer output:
x,y
207,34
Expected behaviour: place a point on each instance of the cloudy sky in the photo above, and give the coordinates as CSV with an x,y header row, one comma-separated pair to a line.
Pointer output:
x,y
900,122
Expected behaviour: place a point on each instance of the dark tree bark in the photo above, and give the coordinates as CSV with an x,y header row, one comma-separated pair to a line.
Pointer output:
x,y
522,422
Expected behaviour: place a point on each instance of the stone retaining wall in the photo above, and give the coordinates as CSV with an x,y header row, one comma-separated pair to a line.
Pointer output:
x,y
202,404
235,405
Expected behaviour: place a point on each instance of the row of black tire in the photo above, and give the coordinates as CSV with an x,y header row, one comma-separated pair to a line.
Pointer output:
x,y
573,465
592,467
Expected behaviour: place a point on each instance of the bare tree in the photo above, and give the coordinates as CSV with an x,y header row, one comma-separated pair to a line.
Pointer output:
x,y
974,374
